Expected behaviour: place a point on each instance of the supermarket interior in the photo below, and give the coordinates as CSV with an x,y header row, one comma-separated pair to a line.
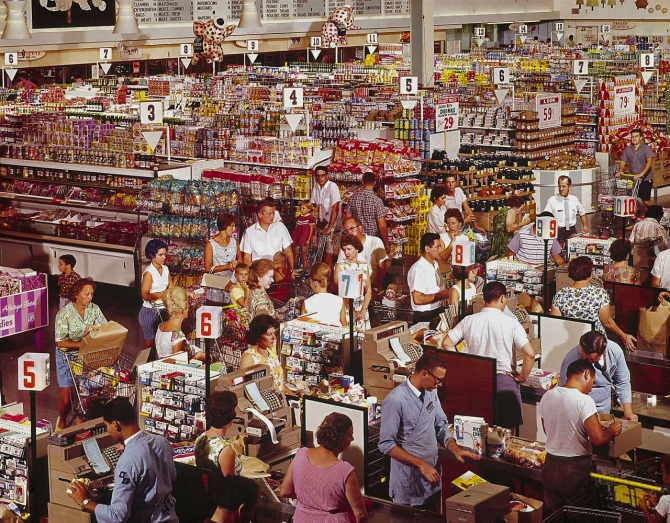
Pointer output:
x,y
324,261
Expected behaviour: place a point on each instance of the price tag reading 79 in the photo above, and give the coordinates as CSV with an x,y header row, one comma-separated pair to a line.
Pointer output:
x,y
350,284
208,321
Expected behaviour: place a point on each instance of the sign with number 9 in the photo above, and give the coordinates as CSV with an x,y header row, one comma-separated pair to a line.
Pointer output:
x,y
624,206
208,322
463,253
546,228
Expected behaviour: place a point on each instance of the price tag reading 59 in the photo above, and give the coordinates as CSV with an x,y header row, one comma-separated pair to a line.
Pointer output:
x,y
548,107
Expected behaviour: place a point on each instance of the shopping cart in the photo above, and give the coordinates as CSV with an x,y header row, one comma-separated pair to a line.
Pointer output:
x,y
582,515
383,314
291,308
99,376
229,347
313,253
623,494
649,471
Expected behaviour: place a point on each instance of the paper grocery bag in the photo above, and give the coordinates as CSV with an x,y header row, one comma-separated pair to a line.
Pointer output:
x,y
102,344
653,332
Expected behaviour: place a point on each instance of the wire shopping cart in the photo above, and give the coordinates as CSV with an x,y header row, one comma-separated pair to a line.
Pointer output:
x,y
582,515
313,253
99,376
292,308
383,314
623,494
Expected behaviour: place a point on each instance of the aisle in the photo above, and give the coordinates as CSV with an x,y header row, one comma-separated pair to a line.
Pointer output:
x,y
121,304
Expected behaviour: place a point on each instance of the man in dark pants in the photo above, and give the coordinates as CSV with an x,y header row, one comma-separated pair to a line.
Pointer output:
x,y
638,156
570,420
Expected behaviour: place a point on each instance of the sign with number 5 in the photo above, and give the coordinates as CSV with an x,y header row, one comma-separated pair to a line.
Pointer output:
x,y
546,228
34,371
208,321
409,85
624,206
350,284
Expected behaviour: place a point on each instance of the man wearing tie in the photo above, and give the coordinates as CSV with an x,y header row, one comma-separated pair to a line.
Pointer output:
x,y
565,208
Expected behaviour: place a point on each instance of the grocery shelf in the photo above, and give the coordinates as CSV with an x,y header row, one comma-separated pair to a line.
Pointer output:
x,y
100,169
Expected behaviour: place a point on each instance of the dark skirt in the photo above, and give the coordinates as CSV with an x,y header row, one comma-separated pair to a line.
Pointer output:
x,y
508,402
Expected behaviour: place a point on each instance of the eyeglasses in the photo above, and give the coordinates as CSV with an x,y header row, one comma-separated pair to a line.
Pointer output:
x,y
438,381
352,228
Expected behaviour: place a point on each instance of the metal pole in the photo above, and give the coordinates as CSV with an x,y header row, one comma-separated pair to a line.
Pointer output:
x,y
208,353
462,299
33,452
623,227
351,337
544,276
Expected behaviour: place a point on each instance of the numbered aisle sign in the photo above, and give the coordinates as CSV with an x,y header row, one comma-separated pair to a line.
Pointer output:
x,y
315,41
647,60
580,67
523,29
480,32
151,112
350,284
372,38
463,252
548,107
624,100
11,59
105,54
559,27
606,28
500,75
293,97
186,49
546,227
252,46
409,85
34,371
446,115
208,320
624,206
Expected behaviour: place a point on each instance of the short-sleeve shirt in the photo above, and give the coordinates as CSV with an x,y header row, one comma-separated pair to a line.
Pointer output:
x,y
423,277
582,304
166,340
265,244
325,199
71,326
455,201
648,228
661,269
556,206
207,451
637,158
436,219
528,248
367,208
65,283
663,507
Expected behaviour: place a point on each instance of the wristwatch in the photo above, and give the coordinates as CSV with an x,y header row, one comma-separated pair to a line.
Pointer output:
x,y
85,503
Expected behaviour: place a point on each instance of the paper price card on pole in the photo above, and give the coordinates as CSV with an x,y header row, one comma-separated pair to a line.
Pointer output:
x,y
548,107
647,60
11,59
446,115
34,371
208,322
186,49
105,54
350,284
315,41
409,85
293,97
463,253
580,67
624,100
546,228
500,75
151,112
252,45
624,206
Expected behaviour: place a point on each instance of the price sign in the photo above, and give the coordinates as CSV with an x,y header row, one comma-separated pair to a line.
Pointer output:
x,y
647,60
293,97
559,27
372,38
34,371
151,112
463,253
480,32
252,46
208,321
446,115
315,41
501,75
11,59
548,107
186,49
409,85
624,206
605,29
546,228
580,67
523,29
105,54
624,100
350,284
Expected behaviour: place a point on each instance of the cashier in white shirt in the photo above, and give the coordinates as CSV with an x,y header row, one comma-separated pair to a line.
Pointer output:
x,y
565,207
423,280
266,237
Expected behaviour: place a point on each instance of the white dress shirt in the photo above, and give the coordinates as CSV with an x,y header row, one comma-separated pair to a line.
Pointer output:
x,y
325,199
261,244
556,206
424,278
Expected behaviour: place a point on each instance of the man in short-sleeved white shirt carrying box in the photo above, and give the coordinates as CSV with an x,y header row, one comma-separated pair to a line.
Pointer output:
x,y
423,279
266,237
492,334
570,420
566,207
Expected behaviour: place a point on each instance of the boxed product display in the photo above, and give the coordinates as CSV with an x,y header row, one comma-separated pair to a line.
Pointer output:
x,y
467,480
471,432
629,438
479,504
542,379
524,510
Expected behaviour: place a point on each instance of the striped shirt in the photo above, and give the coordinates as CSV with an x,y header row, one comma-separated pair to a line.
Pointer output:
x,y
528,248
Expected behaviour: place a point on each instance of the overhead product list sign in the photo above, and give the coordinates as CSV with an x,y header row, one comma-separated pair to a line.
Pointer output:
x,y
548,107
446,114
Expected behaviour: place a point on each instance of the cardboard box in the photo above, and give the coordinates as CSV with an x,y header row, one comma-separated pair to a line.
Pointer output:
x,y
660,169
562,279
479,504
466,480
71,515
541,379
216,281
471,432
478,301
526,516
629,439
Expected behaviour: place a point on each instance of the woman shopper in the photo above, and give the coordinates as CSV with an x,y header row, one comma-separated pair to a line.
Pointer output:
x,y
351,247
169,336
155,279
322,306
438,195
505,225
620,271
325,486
71,322
222,253
261,276
262,338
453,219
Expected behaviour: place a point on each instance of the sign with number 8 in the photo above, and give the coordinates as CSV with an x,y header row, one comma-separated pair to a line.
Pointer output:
x,y
463,253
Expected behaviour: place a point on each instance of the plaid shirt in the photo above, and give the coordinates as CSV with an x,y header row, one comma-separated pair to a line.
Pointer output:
x,y
367,207
66,282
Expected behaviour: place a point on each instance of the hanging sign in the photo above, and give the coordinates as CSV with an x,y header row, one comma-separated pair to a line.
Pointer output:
x,y
647,60
252,46
409,85
293,97
446,115
151,112
523,29
11,59
500,75
372,38
105,54
606,28
186,49
580,67
548,107
315,41
480,32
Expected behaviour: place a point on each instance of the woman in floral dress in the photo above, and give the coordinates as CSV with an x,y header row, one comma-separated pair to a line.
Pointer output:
x,y
352,247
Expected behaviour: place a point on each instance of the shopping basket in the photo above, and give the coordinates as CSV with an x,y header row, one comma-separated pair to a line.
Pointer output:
x,y
102,375
625,495
383,314
582,515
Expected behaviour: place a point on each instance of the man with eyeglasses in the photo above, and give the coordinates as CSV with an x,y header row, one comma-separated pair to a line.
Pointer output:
x,y
326,197
493,334
612,371
413,426
423,279
373,252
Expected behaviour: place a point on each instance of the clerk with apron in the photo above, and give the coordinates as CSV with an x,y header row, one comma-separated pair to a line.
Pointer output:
x,y
413,425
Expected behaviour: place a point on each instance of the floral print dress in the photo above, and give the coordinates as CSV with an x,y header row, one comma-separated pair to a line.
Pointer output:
x,y
582,304
346,265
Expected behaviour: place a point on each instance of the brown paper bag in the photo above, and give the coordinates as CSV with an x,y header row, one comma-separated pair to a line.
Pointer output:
x,y
653,332
102,343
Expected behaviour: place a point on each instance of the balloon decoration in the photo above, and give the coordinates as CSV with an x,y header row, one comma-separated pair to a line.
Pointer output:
x,y
334,31
209,39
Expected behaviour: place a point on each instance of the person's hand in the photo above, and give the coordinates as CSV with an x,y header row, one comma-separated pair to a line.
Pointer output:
x,y
78,492
460,454
326,230
649,500
638,176
616,427
585,230
525,220
665,295
629,342
431,475
619,174
630,417
470,218
232,265
358,315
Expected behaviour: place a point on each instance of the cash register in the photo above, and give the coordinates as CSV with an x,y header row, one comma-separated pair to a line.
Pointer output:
x,y
389,356
86,452
264,415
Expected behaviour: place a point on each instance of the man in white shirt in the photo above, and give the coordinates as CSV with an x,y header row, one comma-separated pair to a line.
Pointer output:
x,y
570,420
266,237
423,279
456,199
650,227
326,197
566,207
373,252
493,334
660,272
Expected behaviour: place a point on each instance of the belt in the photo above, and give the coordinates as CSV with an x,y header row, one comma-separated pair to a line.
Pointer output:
x,y
569,458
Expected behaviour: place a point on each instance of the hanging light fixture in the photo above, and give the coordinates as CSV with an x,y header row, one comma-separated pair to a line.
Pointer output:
x,y
612,3
580,3
250,21
591,4
15,25
126,23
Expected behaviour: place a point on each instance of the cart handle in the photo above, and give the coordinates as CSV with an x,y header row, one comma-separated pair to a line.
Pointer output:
x,y
626,482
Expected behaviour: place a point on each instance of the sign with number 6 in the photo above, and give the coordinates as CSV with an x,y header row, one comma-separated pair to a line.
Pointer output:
x,y
500,75
34,371
11,59
624,206
350,284
463,253
647,60
546,228
208,321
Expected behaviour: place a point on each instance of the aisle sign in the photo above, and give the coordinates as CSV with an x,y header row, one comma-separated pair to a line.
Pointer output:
x,y
293,97
559,27
315,41
350,284
605,29
624,206
446,115
105,54
546,228
11,59
463,253
372,38
34,371
252,45
151,112
208,321
647,60
186,49
523,29
548,107
480,32
580,67
624,100
409,85
500,75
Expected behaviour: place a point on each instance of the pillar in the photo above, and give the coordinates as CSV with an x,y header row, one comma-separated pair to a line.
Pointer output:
x,y
422,27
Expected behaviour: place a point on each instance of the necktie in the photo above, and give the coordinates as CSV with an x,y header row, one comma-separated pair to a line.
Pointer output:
x,y
566,211
421,396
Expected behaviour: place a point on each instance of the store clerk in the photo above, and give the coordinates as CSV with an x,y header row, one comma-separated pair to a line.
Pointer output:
x,y
566,207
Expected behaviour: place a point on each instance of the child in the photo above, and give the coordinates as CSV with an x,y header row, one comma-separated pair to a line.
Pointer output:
x,y
304,231
658,510
239,292
281,291
66,278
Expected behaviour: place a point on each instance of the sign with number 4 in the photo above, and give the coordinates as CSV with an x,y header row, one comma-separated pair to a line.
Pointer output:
x,y
580,67
293,97
151,112
105,54
34,371
409,85
11,59
546,228
350,284
208,321
624,206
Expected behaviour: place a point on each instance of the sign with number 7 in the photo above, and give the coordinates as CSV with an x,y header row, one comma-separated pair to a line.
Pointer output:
x,y
350,284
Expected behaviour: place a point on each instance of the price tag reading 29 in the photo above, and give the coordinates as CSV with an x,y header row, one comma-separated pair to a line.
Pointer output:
x,y
548,107
446,115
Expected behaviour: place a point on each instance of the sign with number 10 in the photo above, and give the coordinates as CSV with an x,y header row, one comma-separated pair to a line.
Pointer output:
x,y
624,206
546,228
208,322
350,284
463,253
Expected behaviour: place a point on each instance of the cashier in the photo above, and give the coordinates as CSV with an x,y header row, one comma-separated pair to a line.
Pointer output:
x,y
413,426
528,248
611,371
566,207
